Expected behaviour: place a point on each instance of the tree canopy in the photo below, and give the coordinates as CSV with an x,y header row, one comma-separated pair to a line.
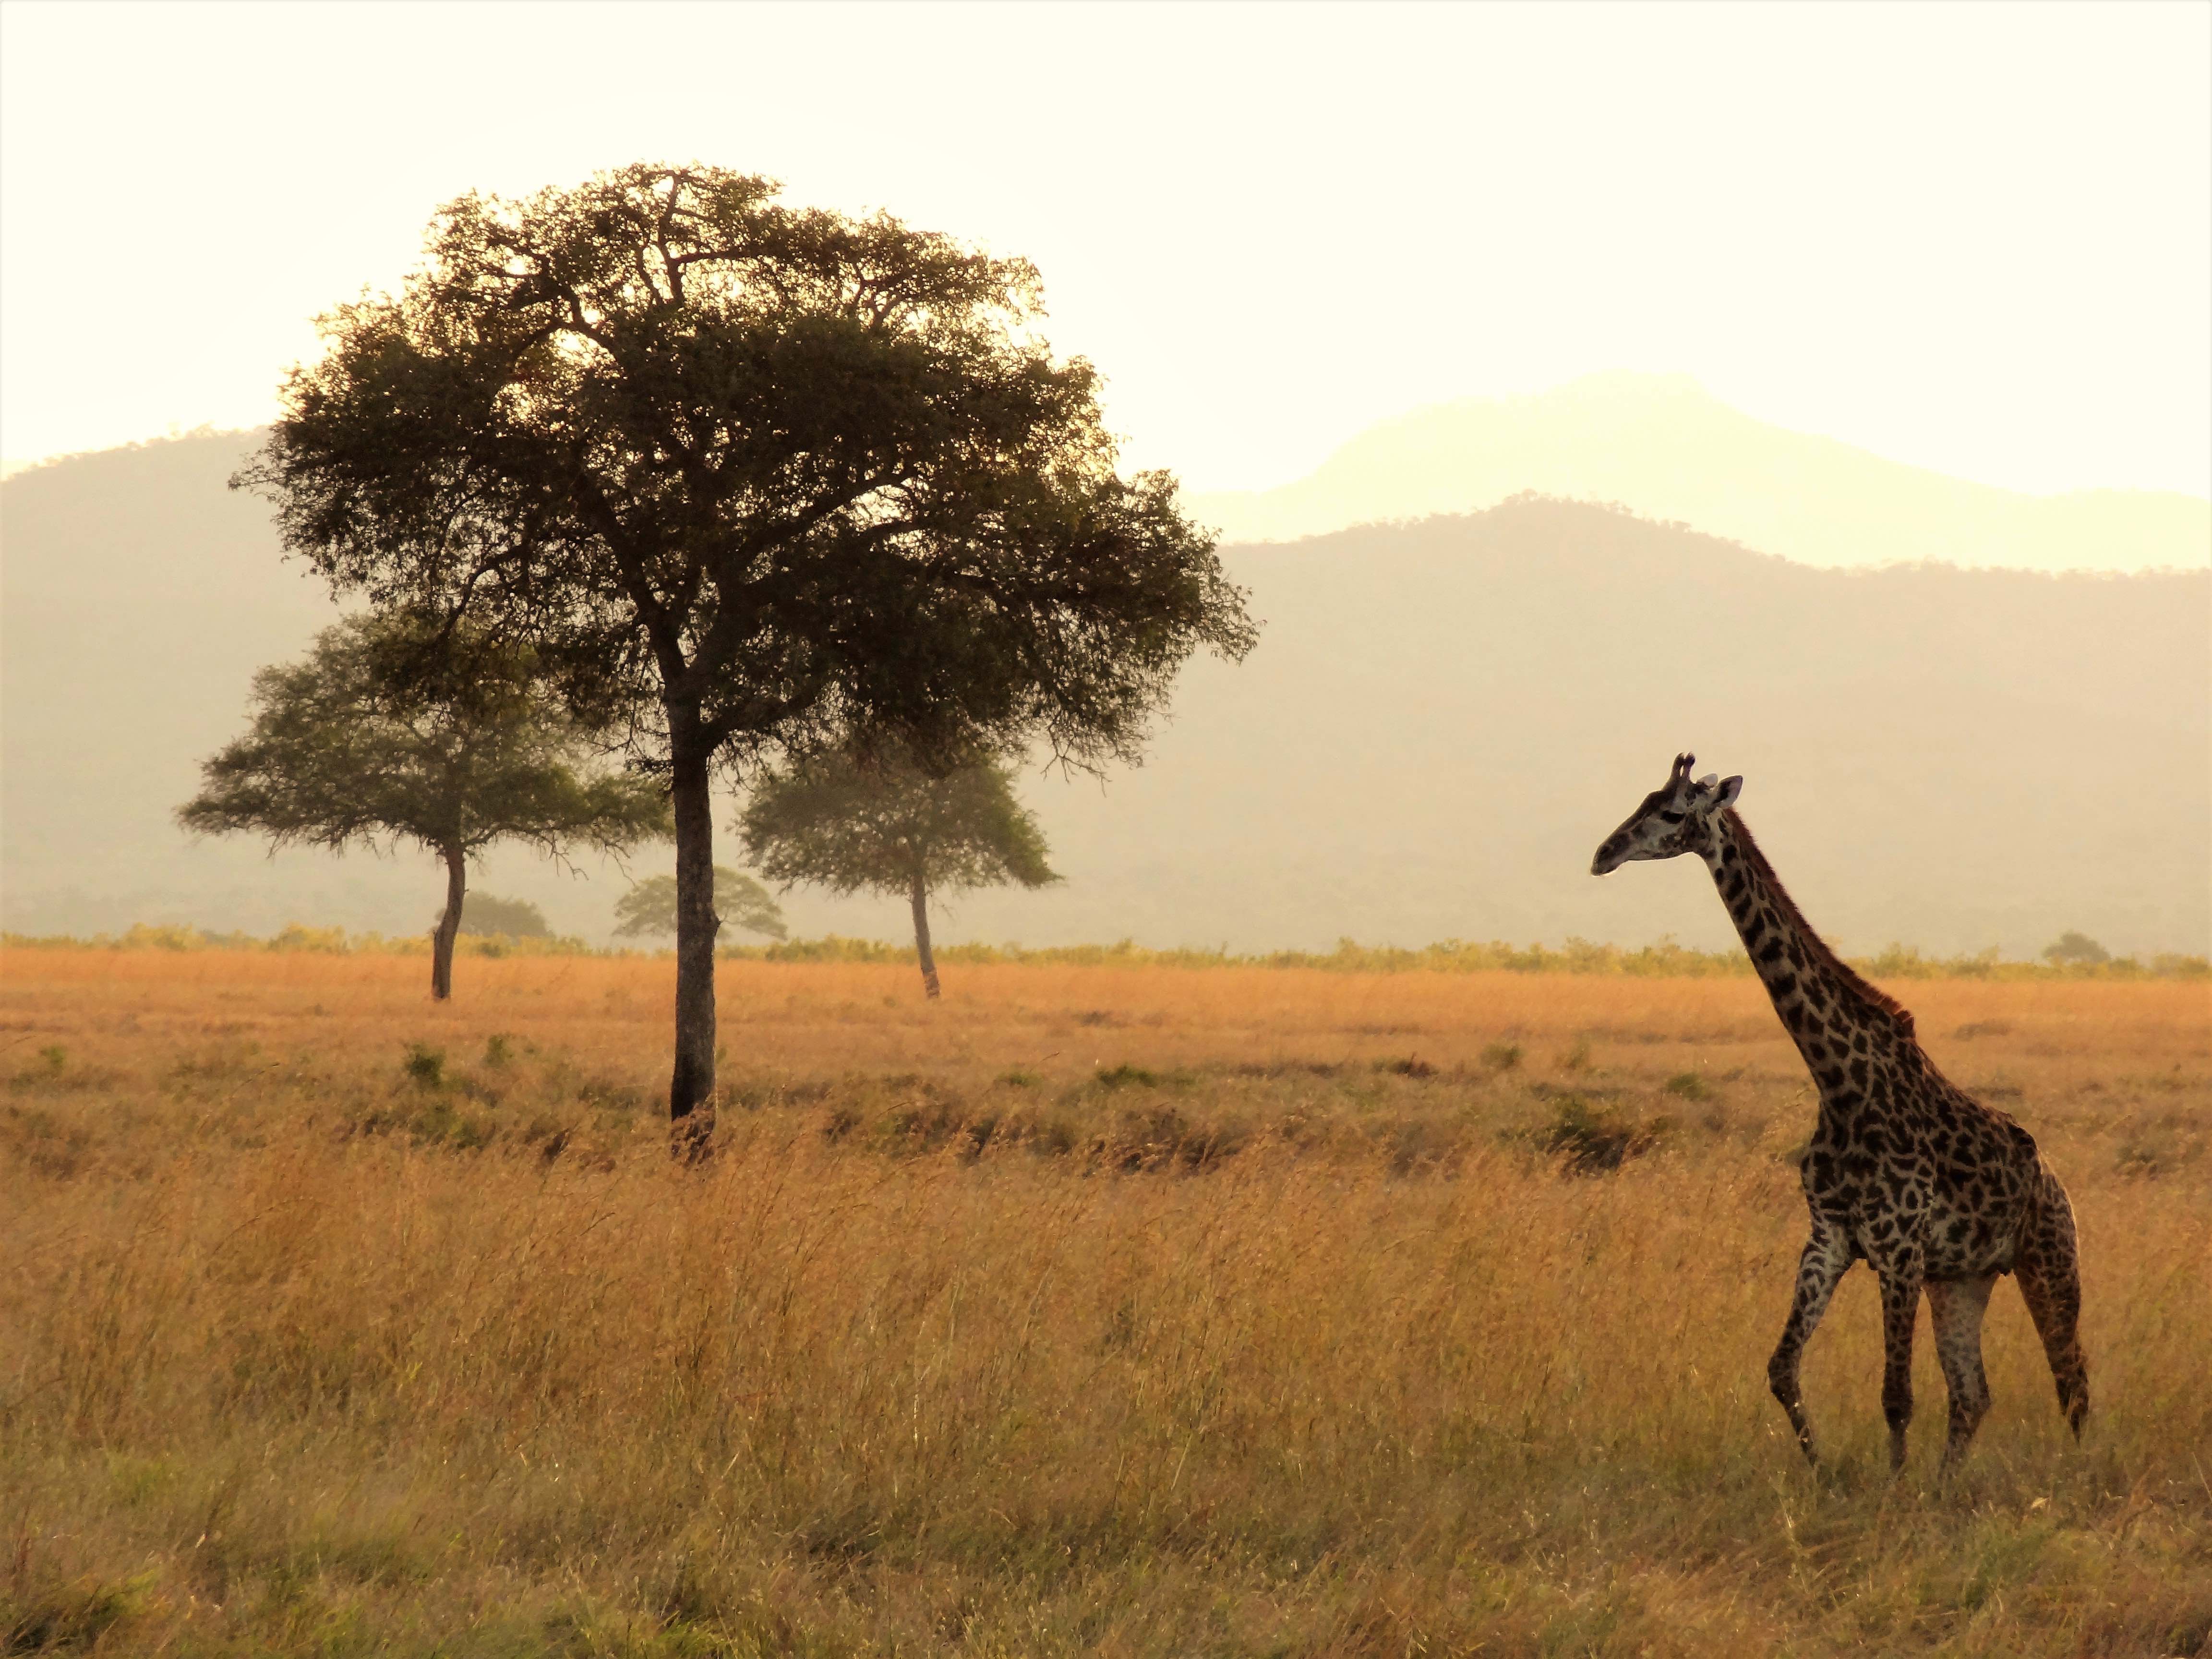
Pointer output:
x,y
2074,947
386,733
649,907
746,475
488,915
881,822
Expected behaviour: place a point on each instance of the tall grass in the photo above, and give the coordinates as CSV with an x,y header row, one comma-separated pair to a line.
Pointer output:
x,y
1665,960
1099,1310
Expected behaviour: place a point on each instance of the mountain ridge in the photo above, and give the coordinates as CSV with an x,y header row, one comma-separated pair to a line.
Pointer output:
x,y
1440,722
1665,449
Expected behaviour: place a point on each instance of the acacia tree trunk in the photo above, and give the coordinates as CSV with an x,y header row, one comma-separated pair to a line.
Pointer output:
x,y
922,937
441,941
691,1085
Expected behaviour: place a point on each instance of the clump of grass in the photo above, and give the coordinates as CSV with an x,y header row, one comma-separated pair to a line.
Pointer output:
x,y
499,1050
1163,1139
425,1066
436,1121
1589,1140
1406,1066
1687,1085
1017,1078
1125,1076
609,1094
1272,1069
56,1058
935,1126
1501,1056
1576,1059
72,1615
2161,1146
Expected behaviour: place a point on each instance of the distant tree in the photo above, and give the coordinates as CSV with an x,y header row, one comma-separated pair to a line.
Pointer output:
x,y
486,915
755,473
2073,947
882,824
388,734
649,907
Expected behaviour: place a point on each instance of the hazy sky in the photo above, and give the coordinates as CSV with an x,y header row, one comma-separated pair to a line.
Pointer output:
x,y
1975,237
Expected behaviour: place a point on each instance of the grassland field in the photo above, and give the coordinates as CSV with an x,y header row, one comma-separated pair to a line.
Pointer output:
x,y
1136,1311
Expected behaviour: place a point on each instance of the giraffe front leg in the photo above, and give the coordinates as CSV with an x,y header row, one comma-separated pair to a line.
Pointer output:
x,y
1900,1307
1825,1261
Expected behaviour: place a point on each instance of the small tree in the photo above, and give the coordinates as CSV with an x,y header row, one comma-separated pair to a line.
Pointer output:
x,y
649,907
386,733
884,824
2072,947
486,915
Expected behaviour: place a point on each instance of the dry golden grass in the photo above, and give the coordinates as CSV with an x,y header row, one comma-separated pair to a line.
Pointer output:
x,y
1136,1311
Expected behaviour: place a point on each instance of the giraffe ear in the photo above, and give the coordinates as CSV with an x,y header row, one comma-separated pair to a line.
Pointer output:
x,y
1730,789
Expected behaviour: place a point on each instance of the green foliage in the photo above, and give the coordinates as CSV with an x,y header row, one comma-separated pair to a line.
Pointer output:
x,y
885,824
485,915
649,907
599,414
387,733
2071,947
319,941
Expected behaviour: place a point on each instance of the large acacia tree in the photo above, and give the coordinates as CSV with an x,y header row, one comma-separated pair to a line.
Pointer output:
x,y
880,823
385,733
757,472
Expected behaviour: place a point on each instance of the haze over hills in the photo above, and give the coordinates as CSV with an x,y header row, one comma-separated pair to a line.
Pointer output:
x,y
1441,721
1666,450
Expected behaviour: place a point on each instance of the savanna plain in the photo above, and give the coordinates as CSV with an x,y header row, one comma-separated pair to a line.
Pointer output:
x,y
1093,1309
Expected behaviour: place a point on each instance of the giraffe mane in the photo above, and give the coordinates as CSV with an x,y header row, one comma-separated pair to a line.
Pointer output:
x,y
1853,982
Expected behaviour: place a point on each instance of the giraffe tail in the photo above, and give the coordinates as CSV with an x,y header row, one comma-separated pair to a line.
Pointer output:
x,y
2048,1269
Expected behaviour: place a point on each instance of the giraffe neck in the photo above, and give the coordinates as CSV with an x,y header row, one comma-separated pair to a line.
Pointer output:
x,y
1829,1011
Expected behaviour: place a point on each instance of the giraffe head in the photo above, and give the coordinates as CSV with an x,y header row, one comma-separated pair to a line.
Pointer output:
x,y
1674,819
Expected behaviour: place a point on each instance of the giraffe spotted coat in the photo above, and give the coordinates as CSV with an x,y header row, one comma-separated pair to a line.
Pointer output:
x,y
1905,1171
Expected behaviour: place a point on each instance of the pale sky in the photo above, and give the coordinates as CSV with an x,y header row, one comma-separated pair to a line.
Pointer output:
x,y
1977,238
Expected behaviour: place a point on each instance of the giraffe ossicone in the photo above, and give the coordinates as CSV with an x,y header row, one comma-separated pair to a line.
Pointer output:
x,y
1905,1171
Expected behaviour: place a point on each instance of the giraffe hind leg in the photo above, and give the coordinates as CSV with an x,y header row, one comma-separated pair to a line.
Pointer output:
x,y
2049,1268
1825,1260
1955,1308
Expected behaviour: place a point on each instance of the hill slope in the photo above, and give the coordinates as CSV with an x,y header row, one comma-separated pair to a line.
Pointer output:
x,y
1661,446
1441,721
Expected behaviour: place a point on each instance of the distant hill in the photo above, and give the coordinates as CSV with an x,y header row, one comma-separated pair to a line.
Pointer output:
x,y
1441,721
1665,449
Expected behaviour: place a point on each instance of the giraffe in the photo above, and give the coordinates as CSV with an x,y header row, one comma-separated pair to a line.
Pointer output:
x,y
1905,1171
